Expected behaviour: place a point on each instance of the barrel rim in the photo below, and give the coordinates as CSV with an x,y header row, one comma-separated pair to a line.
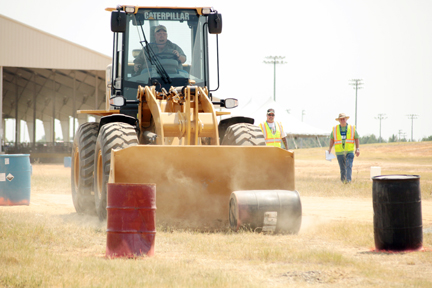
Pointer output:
x,y
393,177
14,155
131,184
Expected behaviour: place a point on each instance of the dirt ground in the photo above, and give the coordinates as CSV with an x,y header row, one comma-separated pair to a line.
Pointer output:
x,y
315,209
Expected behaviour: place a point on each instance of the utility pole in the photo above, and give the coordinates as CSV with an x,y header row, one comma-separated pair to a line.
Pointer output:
x,y
275,60
380,117
401,133
357,84
412,117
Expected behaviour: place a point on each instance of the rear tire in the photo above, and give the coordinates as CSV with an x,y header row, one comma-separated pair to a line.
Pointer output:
x,y
243,134
116,135
82,166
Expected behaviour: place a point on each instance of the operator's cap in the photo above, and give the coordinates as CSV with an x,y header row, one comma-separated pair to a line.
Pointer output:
x,y
271,110
160,27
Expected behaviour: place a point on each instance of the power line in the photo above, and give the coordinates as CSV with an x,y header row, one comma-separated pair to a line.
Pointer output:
x,y
357,84
275,60
412,117
380,117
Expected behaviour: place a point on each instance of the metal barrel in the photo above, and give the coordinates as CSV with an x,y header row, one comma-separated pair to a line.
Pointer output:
x,y
15,176
397,212
131,217
67,161
269,210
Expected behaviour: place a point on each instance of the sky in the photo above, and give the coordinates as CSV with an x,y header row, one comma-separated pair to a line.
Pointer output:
x,y
326,43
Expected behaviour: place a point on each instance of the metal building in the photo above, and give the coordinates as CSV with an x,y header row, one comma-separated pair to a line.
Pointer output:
x,y
44,77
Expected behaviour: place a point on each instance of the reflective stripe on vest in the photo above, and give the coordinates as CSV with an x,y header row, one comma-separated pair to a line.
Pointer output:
x,y
270,138
349,141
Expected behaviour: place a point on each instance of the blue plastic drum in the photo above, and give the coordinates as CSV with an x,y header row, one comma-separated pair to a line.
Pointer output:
x,y
67,161
15,175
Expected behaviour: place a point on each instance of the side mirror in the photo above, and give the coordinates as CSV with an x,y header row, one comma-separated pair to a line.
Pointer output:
x,y
117,101
231,103
118,21
215,23
138,19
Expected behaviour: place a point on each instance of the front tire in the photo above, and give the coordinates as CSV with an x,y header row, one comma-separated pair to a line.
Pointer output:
x,y
116,135
82,166
243,134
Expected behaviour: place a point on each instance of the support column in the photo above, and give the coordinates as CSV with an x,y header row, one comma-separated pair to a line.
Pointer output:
x,y
33,133
65,129
74,113
48,131
96,91
53,110
30,128
1,110
17,121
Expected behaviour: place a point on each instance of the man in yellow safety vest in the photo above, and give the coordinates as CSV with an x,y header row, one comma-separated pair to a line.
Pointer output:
x,y
344,137
273,131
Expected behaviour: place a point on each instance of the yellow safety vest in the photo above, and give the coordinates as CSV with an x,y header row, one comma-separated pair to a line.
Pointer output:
x,y
349,141
270,138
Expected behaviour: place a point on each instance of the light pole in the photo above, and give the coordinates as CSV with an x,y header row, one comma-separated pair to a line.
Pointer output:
x,y
357,84
380,117
275,60
412,117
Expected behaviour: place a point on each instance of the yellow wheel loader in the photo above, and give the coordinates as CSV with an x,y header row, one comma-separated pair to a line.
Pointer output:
x,y
160,125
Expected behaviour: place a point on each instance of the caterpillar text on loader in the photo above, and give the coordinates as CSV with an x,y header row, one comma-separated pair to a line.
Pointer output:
x,y
160,126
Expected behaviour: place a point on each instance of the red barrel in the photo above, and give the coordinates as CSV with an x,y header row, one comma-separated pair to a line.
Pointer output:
x,y
131,220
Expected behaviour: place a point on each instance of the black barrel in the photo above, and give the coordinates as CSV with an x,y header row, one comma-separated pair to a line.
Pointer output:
x,y
397,212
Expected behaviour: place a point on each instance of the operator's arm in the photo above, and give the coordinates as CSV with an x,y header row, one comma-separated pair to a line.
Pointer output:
x,y
357,144
285,143
180,54
182,58
331,145
138,61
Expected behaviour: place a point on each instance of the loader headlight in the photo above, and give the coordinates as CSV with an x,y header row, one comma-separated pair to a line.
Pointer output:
x,y
206,10
231,103
129,9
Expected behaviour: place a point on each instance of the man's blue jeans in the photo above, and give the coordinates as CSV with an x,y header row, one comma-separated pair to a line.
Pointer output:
x,y
345,165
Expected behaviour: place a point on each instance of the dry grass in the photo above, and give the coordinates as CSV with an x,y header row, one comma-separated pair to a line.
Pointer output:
x,y
47,244
50,178
321,178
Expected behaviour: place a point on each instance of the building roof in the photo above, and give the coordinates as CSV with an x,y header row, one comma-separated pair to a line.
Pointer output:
x,y
25,46
45,77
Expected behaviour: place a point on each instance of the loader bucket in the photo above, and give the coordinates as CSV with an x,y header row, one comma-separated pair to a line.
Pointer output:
x,y
194,183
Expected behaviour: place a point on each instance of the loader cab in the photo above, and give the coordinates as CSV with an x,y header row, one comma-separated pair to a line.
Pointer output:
x,y
136,44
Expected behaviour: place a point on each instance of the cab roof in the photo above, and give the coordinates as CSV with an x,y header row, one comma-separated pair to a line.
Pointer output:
x,y
123,7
